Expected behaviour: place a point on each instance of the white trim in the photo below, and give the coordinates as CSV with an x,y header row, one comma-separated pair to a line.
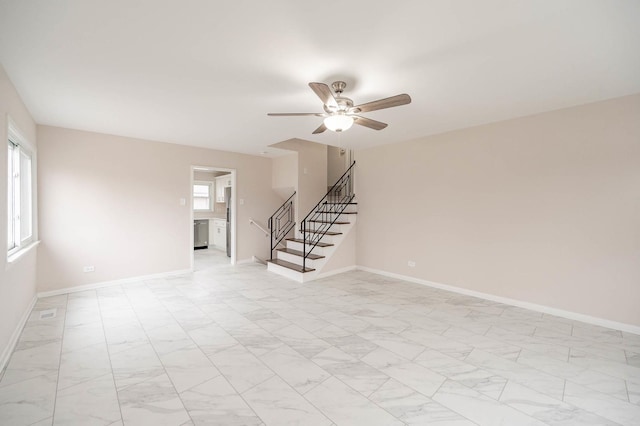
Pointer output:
x,y
103,284
256,259
14,132
336,272
14,257
15,135
629,328
13,341
245,261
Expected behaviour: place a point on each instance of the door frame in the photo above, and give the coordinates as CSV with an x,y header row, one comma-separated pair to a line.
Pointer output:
x,y
234,201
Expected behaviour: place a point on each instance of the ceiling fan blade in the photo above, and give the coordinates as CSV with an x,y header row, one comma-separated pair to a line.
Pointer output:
x,y
391,102
324,93
320,129
367,122
294,114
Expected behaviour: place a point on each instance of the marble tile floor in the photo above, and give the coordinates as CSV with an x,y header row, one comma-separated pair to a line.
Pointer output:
x,y
209,257
240,346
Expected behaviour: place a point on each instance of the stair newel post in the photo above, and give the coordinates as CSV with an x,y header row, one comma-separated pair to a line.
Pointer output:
x,y
304,245
324,215
271,238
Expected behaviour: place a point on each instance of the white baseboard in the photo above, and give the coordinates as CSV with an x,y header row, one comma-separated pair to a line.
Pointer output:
x,y
629,328
102,284
8,350
336,272
245,261
256,259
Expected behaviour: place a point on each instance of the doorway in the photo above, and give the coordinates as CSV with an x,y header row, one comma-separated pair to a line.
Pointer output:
x,y
213,217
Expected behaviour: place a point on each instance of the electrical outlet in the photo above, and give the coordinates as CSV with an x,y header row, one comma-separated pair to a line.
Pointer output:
x,y
411,263
89,269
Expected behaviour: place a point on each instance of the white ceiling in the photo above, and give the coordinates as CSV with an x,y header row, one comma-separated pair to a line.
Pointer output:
x,y
205,73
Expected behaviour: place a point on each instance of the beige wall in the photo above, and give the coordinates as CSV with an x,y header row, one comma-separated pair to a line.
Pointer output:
x,y
18,280
344,256
284,176
543,209
312,173
337,164
113,203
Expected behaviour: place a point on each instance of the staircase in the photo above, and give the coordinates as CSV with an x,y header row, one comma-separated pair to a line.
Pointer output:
x,y
321,235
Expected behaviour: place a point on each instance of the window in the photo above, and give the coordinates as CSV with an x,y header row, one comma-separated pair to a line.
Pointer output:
x,y
202,196
19,194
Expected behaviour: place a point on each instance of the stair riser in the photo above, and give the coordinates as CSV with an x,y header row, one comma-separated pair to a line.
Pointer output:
x,y
321,251
297,259
328,252
285,272
329,239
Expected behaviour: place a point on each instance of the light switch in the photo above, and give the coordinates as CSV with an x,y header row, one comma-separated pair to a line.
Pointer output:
x,y
241,201
183,202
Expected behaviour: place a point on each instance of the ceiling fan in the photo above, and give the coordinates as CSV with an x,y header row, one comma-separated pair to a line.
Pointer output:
x,y
340,113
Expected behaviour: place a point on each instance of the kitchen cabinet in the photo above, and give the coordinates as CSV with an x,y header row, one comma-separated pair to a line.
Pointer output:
x,y
220,234
212,232
221,183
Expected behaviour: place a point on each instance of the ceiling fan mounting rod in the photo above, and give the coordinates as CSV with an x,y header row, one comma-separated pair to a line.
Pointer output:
x,y
338,87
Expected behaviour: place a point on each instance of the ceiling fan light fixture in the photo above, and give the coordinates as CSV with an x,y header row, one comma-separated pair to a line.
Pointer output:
x,y
338,122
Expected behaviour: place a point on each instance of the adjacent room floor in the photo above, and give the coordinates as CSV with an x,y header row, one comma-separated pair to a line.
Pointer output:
x,y
240,346
208,258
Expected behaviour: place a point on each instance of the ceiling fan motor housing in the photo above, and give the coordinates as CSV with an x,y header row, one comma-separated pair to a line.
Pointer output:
x,y
344,104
